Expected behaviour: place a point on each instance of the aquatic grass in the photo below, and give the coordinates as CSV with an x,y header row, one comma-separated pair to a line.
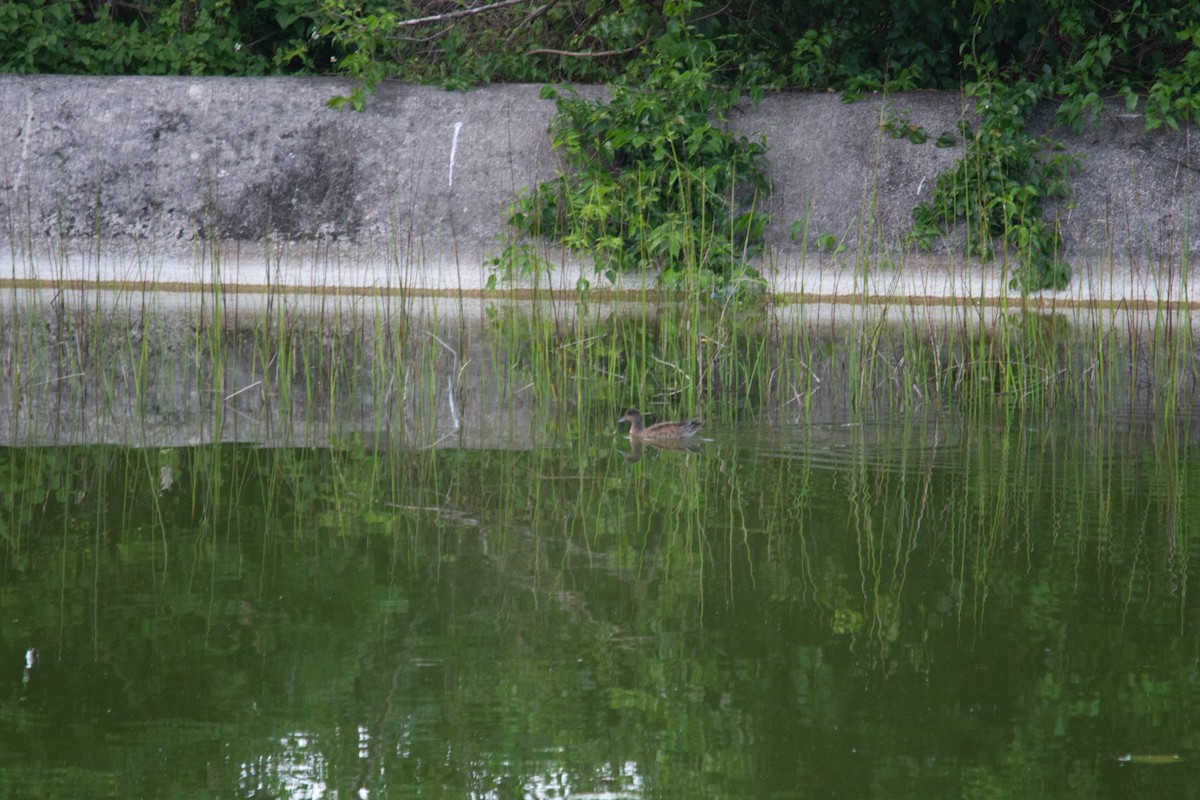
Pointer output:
x,y
676,358
208,332
392,333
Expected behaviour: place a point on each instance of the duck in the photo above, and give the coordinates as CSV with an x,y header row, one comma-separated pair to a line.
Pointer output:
x,y
659,430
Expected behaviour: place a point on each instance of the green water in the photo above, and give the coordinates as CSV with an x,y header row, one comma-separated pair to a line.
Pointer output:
x,y
975,605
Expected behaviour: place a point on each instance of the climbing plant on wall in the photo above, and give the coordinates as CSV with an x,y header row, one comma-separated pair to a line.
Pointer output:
x,y
654,177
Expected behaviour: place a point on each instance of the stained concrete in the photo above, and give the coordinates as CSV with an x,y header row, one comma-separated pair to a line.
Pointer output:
x,y
139,182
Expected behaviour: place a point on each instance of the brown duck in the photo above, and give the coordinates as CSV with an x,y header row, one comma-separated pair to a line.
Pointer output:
x,y
659,430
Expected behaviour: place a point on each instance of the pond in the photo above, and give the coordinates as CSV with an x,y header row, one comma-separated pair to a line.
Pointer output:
x,y
384,584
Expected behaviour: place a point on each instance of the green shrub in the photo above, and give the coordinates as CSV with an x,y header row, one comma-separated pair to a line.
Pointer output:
x,y
654,179
461,47
177,37
998,189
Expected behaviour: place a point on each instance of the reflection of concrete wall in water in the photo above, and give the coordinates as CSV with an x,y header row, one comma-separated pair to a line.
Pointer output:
x,y
164,378
95,367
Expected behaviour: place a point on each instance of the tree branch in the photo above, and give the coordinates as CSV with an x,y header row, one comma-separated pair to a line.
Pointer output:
x,y
537,12
466,12
586,53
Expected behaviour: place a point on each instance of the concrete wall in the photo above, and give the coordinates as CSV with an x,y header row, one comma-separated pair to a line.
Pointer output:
x,y
177,179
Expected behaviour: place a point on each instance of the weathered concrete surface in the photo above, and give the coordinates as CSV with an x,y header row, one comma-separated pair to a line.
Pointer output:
x,y
256,182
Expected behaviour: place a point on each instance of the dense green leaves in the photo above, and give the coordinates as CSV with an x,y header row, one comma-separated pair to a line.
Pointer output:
x,y
1079,53
655,178
999,187
173,37
464,46
1146,49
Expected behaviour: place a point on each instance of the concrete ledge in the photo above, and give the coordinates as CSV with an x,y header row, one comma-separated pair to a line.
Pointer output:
x,y
191,182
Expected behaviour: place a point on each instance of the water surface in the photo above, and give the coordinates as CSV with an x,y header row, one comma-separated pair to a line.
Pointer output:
x,y
974,605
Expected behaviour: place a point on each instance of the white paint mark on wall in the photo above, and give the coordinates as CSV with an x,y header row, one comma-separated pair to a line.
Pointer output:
x,y
454,149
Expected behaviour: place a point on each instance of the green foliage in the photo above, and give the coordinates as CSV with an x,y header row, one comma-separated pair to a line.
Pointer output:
x,y
654,178
457,49
897,45
518,261
177,37
830,243
899,127
999,187
1146,51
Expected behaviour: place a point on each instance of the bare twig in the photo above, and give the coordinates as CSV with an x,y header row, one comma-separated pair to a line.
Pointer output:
x,y
703,17
466,12
586,53
530,17
423,39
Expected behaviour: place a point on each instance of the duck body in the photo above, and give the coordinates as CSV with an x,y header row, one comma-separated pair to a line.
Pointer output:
x,y
659,430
